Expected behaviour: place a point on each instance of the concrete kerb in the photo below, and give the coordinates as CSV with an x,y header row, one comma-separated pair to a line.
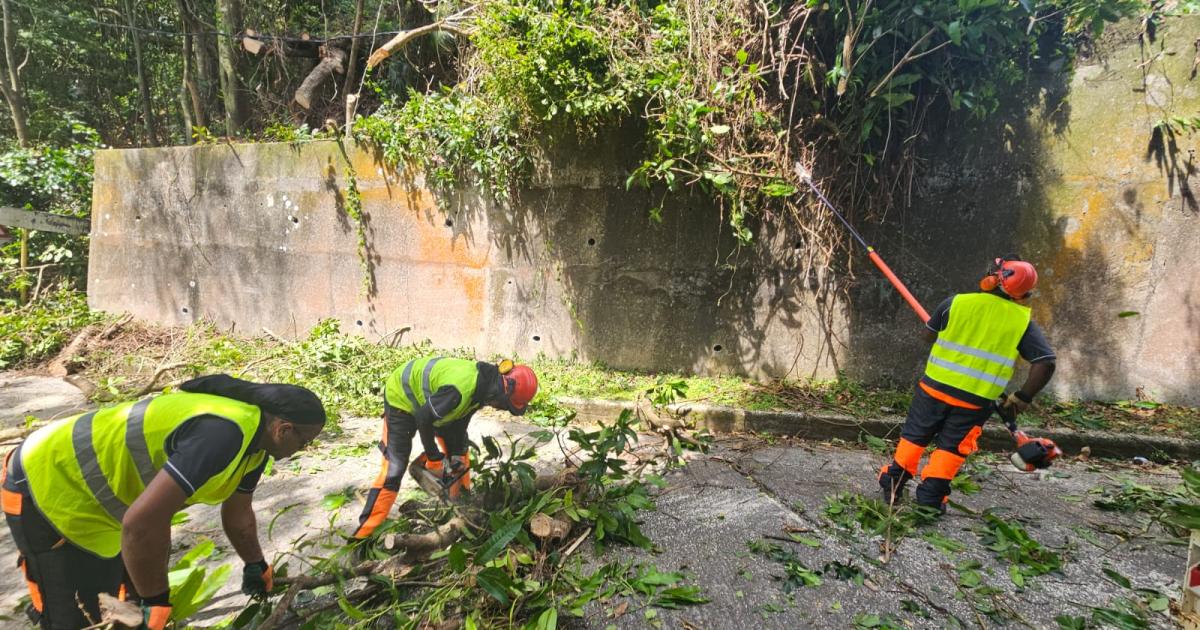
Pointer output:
x,y
828,426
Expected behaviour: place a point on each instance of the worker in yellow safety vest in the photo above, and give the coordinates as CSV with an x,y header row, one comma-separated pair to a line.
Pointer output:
x,y
89,499
436,398
976,338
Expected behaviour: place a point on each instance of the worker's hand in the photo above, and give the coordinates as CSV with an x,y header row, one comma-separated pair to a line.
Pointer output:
x,y
155,617
257,579
1017,402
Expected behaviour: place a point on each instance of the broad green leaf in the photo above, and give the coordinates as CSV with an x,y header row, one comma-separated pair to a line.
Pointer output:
x,y
499,540
457,558
495,582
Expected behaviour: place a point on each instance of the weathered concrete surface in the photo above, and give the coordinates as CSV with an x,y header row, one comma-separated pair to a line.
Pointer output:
x,y
254,236
44,398
1074,181
257,236
745,489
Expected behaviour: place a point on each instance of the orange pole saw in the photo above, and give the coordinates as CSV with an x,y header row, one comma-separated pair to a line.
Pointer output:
x,y
1032,453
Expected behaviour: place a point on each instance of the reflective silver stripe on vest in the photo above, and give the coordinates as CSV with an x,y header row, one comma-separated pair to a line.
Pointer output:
x,y
135,441
85,454
425,384
976,352
404,380
1001,381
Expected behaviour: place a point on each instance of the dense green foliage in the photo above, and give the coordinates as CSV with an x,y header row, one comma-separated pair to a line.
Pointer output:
x,y
37,330
720,108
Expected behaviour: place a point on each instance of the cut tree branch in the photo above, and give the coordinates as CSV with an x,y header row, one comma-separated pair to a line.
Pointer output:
x,y
399,41
332,62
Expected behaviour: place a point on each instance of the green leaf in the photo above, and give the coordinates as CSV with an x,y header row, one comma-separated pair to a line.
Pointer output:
x,y
548,620
1014,574
1191,479
1121,580
351,610
457,558
894,99
195,554
1128,314
954,31
496,582
1067,622
1160,604
499,540
742,56
804,540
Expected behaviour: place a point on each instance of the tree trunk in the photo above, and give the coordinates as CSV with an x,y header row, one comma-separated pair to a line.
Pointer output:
x,y
193,100
14,92
230,21
205,48
348,84
143,82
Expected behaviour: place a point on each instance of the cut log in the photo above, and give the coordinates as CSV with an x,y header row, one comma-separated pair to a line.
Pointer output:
x,y
333,61
548,527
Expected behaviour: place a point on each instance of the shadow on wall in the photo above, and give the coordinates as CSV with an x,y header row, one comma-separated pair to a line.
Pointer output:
x,y
985,191
586,272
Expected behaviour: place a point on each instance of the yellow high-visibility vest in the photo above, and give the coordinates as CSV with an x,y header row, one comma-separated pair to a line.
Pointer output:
x,y
978,350
84,472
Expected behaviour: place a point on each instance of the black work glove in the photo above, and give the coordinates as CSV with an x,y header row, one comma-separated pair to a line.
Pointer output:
x,y
257,579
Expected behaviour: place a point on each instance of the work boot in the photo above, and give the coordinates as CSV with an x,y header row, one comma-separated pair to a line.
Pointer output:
x,y
892,480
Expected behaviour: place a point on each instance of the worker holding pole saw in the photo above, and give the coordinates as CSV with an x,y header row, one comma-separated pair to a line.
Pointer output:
x,y
976,339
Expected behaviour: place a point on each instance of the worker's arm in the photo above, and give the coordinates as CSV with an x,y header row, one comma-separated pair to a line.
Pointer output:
x,y
1039,376
241,526
938,320
146,534
1034,348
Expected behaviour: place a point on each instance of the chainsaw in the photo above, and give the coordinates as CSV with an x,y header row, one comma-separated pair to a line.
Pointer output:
x,y
447,479
1033,453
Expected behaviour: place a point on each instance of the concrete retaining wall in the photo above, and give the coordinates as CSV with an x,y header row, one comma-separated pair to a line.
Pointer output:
x,y
256,236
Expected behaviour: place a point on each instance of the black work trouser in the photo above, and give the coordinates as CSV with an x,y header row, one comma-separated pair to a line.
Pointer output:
x,y
955,431
61,576
399,428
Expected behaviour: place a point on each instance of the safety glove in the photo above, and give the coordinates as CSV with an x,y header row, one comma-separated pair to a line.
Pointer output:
x,y
1018,402
156,611
257,579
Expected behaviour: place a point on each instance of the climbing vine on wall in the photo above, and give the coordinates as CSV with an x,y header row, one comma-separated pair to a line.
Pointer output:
x,y
353,208
729,95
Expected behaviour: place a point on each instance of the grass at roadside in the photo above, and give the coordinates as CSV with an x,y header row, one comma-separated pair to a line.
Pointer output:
x,y
348,371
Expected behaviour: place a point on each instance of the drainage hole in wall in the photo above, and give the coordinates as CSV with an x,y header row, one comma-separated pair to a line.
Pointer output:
x,y
591,241
358,322
717,348
137,218
449,222
185,310
294,219
510,281
537,337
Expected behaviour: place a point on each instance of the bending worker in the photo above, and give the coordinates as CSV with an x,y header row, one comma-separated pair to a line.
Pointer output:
x,y
89,499
977,338
436,398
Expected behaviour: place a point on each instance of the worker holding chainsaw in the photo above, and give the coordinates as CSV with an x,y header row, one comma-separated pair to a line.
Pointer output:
x,y
435,398
977,338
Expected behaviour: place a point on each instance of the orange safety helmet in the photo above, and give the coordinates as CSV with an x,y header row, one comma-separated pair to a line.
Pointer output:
x,y
1015,277
519,383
